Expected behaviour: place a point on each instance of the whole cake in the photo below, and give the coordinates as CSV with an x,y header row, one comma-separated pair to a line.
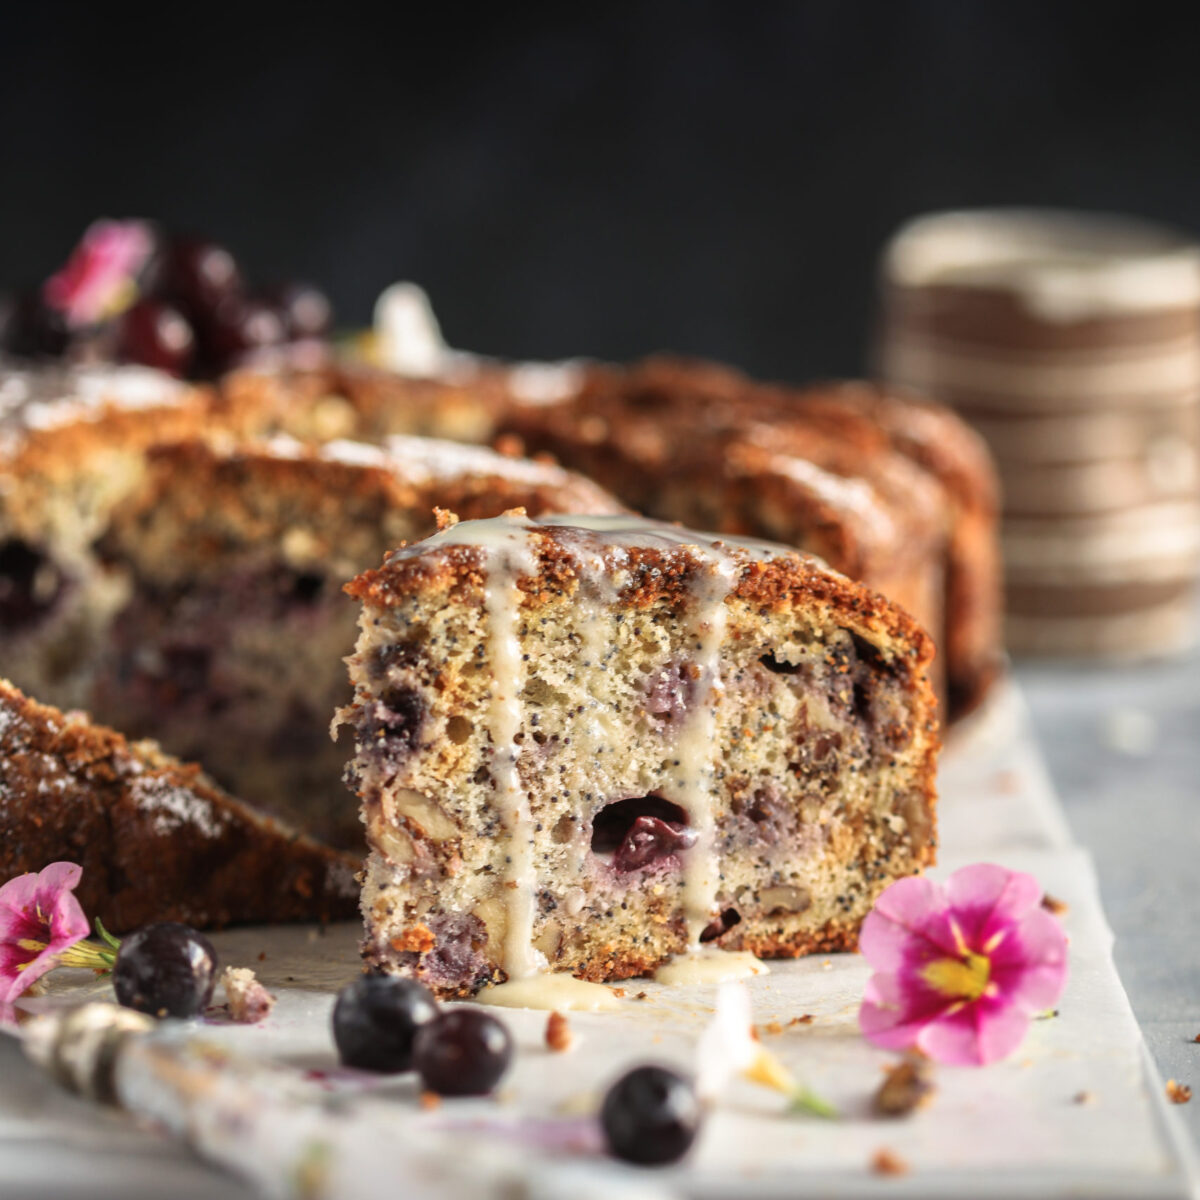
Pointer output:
x,y
892,491
587,745
157,840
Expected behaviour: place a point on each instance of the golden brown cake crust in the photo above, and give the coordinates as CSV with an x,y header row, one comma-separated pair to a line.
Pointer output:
x,y
155,838
241,495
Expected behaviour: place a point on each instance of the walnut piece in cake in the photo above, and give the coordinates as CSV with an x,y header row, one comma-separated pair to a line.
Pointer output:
x,y
587,745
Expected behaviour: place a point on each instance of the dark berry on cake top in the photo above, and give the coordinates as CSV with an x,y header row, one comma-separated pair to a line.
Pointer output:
x,y
132,292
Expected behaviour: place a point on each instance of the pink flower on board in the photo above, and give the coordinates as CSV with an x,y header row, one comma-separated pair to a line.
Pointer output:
x,y
39,919
100,278
961,968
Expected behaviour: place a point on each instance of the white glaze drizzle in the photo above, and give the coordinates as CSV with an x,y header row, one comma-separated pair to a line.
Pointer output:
x,y
695,786
507,544
420,460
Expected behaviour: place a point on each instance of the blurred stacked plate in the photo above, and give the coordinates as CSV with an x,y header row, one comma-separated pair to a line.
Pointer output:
x,y
1072,342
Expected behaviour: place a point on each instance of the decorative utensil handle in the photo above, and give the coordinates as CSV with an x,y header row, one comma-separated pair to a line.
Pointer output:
x,y
284,1136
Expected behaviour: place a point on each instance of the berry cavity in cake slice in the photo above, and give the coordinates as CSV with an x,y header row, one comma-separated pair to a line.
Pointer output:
x,y
156,839
590,746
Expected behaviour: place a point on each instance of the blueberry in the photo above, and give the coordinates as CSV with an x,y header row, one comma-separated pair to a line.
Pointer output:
x,y
156,335
305,309
376,1019
30,584
462,1053
239,328
199,275
650,1116
167,970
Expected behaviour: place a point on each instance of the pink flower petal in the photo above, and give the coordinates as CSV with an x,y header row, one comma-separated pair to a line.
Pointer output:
x,y
18,897
107,259
56,899
893,1013
987,898
1030,967
883,1016
974,1036
909,918
59,876
37,909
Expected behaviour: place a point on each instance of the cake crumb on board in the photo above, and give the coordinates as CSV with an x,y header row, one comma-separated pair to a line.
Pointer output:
x,y
559,1037
888,1162
248,1000
907,1086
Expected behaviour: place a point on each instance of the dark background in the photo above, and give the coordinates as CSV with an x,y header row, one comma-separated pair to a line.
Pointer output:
x,y
706,177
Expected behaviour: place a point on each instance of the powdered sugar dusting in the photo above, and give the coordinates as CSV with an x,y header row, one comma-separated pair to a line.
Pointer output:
x,y
172,807
545,383
357,454
431,459
45,398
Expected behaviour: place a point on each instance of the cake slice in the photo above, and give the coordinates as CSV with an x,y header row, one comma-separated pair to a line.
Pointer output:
x,y
230,648
586,745
156,839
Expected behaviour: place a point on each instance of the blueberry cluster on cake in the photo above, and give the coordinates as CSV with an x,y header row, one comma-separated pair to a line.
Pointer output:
x,y
156,838
585,745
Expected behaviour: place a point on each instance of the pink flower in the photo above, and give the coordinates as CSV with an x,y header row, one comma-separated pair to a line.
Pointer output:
x,y
100,277
39,919
960,968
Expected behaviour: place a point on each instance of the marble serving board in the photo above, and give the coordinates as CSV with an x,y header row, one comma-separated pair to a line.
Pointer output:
x,y
1079,1110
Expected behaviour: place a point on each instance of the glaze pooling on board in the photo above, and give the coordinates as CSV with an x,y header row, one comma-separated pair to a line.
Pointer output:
x,y
508,546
